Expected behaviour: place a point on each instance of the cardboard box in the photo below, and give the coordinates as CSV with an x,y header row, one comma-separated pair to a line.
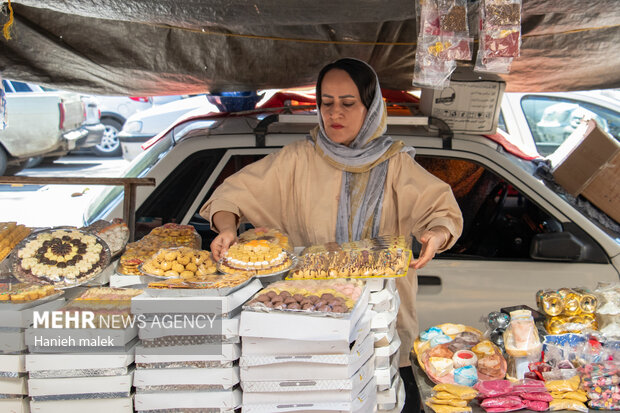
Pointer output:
x,y
295,326
305,396
386,400
382,300
23,318
227,306
13,363
365,402
471,104
281,347
382,321
229,352
266,385
12,340
230,399
120,405
588,163
386,378
14,385
44,362
226,377
383,355
80,385
306,367
20,405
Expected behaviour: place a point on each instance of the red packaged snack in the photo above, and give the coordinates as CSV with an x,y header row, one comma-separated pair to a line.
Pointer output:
x,y
502,404
536,396
493,388
537,406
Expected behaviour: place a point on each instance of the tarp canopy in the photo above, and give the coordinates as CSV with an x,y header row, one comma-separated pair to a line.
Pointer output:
x,y
155,47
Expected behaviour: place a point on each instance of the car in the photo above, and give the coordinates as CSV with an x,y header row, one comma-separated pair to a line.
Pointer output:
x,y
519,234
114,112
142,126
41,123
542,121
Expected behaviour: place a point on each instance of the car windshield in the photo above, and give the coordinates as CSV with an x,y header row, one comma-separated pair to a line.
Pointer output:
x,y
111,195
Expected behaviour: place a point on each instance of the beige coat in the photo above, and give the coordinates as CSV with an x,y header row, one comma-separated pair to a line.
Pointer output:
x,y
297,191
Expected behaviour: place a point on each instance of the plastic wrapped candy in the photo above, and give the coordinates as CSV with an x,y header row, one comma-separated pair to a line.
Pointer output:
x,y
500,35
571,384
608,313
521,337
610,404
493,388
578,395
536,405
567,404
537,396
502,404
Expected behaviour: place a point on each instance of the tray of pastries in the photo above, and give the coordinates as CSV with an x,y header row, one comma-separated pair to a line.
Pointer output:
x,y
11,233
456,353
334,298
18,296
62,257
182,262
257,258
115,233
352,264
166,236
210,285
272,235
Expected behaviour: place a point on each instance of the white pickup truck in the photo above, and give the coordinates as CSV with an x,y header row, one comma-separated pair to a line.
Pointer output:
x,y
39,123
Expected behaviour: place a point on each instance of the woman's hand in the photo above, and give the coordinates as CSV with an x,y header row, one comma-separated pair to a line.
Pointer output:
x,y
222,242
432,240
226,223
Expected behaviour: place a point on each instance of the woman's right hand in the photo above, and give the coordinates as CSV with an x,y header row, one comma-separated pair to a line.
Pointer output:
x,y
221,243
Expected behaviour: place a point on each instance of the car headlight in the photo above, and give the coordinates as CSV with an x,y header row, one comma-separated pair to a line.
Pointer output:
x,y
133,126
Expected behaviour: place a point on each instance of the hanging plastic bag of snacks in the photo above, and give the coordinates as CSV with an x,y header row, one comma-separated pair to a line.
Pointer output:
x,y
500,35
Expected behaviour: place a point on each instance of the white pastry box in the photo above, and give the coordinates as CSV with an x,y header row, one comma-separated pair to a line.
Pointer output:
x,y
12,340
384,338
13,363
119,405
92,361
384,355
382,321
386,378
365,402
229,328
382,300
19,405
228,306
227,353
296,326
225,377
309,391
14,385
274,346
387,399
306,367
80,385
225,400
23,318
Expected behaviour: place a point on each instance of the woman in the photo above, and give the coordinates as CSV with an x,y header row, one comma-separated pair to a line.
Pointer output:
x,y
347,181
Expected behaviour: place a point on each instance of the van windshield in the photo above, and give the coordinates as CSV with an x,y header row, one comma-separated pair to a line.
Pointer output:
x,y
110,196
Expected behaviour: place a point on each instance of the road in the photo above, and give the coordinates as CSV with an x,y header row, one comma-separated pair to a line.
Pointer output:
x,y
53,205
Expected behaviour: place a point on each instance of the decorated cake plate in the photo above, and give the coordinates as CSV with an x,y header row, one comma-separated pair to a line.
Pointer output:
x,y
64,257
292,260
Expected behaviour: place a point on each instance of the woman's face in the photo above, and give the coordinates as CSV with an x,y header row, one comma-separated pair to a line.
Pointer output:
x,y
342,110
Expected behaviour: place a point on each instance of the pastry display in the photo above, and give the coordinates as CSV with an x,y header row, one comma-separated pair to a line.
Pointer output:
x,y
272,235
109,294
337,296
372,244
259,257
10,235
166,236
61,257
353,264
25,292
186,263
206,282
115,233
466,358
111,306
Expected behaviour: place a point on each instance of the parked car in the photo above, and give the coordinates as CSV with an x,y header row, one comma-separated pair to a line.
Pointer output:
x,y
542,121
114,112
519,235
41,123
142,126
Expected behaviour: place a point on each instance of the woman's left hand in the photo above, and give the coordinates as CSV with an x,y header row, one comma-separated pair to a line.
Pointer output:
x,y
431,240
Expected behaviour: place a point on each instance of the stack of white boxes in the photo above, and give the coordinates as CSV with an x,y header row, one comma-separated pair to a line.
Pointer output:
x,y
189,367
385,302
14,319
82,369
295,362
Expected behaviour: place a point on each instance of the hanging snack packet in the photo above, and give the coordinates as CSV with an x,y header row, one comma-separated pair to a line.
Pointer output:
x,y
500,35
